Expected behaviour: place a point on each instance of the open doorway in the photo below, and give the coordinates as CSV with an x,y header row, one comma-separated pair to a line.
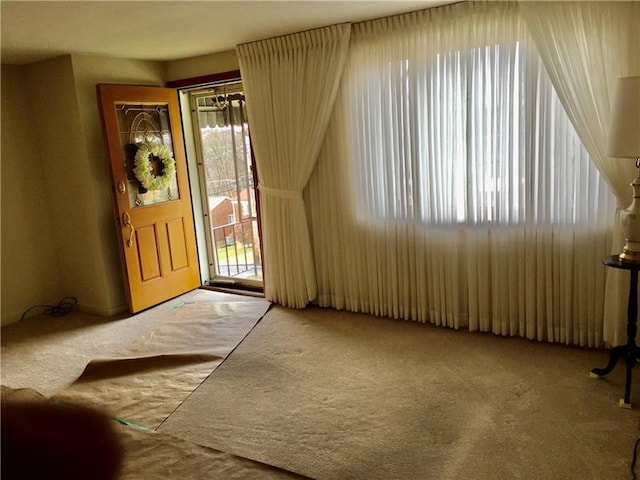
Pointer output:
x,y
227,185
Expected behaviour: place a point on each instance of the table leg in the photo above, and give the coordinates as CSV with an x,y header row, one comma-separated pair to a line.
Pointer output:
x,y
630,351
632,330
614,354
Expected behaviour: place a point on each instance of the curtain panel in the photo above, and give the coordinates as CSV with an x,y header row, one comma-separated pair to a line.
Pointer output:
x,y
452,187
290,83
586,46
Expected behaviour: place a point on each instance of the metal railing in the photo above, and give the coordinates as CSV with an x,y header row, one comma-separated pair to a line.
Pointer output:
x,y
237,250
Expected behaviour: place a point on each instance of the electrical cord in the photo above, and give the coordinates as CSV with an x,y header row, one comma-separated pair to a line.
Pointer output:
x,y
63,307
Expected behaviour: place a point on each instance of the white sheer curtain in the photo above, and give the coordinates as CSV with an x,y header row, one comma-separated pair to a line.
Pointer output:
x,y
290,83
586,46
452,188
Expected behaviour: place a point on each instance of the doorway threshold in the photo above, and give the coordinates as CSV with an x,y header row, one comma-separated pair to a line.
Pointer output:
x,y
237,290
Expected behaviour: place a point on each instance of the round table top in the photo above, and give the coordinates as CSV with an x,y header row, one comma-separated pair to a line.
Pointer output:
x,y
615,262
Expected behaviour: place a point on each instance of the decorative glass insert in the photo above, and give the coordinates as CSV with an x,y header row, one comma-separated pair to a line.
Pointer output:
x,y
145,123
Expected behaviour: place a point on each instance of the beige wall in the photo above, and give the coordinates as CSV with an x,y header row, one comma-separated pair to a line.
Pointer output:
x,y
52,89
202,65
30,270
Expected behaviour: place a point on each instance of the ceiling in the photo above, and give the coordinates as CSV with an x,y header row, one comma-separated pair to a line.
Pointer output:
x,y
167,30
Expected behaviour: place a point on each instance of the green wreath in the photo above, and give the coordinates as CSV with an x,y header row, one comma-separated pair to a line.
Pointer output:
x,y
142,169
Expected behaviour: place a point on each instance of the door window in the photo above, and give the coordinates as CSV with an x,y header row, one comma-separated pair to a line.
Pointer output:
x,y
145,124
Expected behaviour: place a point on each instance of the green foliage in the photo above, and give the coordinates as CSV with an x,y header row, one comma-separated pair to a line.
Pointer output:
x,y
224,171
232,254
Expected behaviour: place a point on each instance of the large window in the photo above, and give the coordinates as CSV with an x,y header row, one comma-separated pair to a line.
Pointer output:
x,y
475,136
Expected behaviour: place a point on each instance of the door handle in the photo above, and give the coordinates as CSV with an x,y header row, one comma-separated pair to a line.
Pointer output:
x,y
126,220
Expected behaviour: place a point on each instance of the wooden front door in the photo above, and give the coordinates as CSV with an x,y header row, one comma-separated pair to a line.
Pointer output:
x,y
153,203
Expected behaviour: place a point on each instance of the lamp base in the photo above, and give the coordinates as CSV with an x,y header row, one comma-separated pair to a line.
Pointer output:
x,y
630,219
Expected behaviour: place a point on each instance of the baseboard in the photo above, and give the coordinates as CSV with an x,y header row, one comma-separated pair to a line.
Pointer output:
x,y
9,319
82,307
102,312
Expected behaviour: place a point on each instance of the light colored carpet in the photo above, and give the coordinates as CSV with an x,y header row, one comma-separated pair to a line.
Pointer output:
x,y
334,395
146,381
156,456
138,369
150,455
48,354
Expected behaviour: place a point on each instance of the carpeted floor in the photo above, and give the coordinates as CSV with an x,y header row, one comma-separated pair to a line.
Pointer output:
x,y
136,369
146,381
327,394
48,354
334,395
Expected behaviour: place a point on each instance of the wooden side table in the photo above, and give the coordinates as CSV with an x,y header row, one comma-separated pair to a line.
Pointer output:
x,y
630,351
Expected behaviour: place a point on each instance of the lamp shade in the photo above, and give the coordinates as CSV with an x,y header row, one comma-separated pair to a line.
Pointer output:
x,y
624,131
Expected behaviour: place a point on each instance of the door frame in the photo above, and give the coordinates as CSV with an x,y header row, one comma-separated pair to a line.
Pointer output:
x,y
200,210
